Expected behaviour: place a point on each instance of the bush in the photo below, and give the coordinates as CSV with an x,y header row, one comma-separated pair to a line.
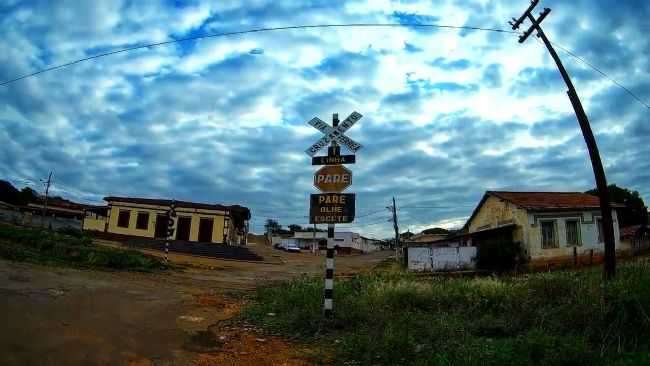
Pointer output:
x,y
69,247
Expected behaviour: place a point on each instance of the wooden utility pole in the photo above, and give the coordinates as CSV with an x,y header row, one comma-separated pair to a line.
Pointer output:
x,y
590,140
47,191
397,246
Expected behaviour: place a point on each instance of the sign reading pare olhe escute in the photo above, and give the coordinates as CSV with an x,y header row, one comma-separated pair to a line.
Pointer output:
x,y
331,208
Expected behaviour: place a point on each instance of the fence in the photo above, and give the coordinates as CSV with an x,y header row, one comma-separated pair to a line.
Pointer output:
x,y
441,259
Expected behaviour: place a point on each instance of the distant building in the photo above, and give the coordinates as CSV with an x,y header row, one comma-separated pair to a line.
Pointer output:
x,y
345,242
195,222
549,225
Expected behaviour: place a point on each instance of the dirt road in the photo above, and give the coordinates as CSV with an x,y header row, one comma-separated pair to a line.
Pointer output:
x,y
62,316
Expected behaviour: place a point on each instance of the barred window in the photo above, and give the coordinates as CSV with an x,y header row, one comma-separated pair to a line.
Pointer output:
x,y
572,233
549,239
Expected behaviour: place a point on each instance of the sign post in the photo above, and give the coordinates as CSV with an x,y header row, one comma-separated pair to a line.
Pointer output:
x,y
332,206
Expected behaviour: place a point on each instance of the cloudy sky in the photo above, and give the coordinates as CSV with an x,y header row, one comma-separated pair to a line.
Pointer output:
x,y
448,113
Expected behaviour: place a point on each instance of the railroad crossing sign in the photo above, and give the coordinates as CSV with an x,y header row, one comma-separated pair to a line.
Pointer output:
x,y
331,208
333,178
334,134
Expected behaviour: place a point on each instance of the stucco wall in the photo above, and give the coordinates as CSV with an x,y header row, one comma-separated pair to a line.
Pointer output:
x,y
495,212
194,214
93,224
588,233
441,259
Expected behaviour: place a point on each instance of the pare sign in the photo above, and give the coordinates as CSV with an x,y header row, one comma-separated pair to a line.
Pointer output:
x,y
333,178
331,208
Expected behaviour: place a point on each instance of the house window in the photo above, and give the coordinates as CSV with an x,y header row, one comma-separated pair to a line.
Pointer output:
x,y
599,224
143,221
123,218
549,239
572,233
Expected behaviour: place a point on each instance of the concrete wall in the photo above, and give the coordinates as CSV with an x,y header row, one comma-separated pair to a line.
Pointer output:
x,y
441,259
588,234
94,222
27,219
218,217
495,213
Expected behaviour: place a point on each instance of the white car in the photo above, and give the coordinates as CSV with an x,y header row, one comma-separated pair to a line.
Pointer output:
x,y
292,248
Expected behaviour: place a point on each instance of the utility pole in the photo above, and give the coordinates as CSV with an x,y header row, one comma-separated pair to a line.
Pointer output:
x,y
314,243
47,191
592,147
397,246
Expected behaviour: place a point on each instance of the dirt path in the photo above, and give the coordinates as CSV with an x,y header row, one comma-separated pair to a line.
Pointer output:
x,y
61,316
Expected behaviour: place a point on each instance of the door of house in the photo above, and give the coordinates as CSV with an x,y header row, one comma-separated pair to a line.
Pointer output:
x,y
205,230
161,227
183,231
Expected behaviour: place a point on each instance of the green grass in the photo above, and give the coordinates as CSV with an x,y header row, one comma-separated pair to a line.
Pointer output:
x,y
393,318
68,247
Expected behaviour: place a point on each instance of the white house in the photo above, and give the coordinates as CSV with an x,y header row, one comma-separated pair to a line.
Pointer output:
x,y
345,242
549,225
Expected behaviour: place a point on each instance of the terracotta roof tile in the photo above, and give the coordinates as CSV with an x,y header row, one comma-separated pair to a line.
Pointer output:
x,y
550,200
165,202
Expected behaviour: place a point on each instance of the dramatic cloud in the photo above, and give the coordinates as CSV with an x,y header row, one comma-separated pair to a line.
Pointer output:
x,y
448,113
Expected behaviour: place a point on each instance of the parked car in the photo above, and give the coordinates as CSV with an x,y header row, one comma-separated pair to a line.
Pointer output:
x,y
292,248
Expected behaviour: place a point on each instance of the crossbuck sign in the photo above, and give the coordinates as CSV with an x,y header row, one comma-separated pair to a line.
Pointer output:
x,y
334,134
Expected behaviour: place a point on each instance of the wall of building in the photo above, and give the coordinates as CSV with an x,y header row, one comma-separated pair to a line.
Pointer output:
x,y
441,259
195,215
496,213
588,234
94,224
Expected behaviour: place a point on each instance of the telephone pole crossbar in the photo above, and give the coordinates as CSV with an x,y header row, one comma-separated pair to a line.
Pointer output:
x,y
590,140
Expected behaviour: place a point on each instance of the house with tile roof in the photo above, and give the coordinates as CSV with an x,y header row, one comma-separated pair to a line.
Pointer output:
x,y
551,226
194,222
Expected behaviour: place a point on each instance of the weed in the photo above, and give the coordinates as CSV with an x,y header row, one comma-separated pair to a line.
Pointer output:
x,y
393,318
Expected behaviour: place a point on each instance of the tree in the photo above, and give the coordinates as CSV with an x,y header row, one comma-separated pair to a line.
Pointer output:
x,y
294,228
436,230
28,195
9,193
634,213
272,226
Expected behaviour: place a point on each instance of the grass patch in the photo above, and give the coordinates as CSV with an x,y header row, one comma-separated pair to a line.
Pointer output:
x,y
68,247
393,318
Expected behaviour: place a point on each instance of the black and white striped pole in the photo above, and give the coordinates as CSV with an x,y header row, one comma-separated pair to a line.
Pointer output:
x,y
171,213
328,304
332,206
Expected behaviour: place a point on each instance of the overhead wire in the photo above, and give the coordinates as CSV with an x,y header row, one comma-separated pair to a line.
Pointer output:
x,y
248,31
585,62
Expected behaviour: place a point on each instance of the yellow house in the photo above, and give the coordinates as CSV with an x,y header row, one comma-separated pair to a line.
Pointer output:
x,y
194,222
551,226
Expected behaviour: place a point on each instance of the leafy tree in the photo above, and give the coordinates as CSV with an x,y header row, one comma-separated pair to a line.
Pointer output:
x,y
28,195
272,226
436,230
634,213
9,193
293,228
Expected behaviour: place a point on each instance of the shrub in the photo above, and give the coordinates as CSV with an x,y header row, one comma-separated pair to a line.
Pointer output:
x,y
69,247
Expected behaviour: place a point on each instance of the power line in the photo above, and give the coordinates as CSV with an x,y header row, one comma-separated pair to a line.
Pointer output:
x,y
255,30
585,62
418,207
